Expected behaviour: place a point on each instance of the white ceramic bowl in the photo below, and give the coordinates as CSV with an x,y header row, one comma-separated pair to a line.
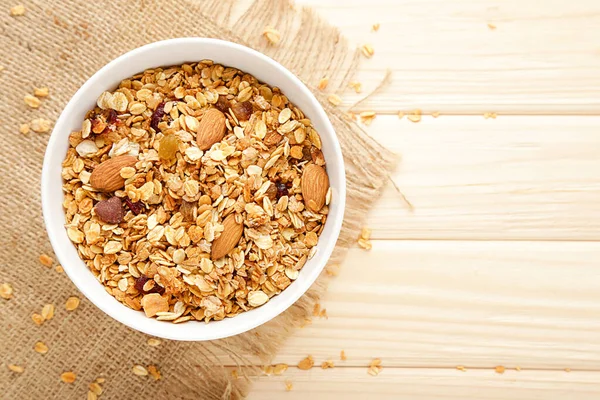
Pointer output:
x,y
172,52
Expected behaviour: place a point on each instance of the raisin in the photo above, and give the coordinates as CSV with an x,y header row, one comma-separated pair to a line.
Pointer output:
x,y
187,210
157,116
141,281
282,189
168,147
242,110
222,104
111,118
272,192
306,153
135,208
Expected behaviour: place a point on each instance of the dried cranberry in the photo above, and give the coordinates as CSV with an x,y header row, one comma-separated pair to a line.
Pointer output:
x,y
306,153
141,281
222,104
111,118
135,208
282,189
242,110
157,116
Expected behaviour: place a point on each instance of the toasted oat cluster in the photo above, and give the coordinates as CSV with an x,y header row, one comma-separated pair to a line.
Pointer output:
x,y
195,192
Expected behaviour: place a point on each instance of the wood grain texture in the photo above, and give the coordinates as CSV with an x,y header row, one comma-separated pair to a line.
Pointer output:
x,y
428,384
512,178
444,57
448,303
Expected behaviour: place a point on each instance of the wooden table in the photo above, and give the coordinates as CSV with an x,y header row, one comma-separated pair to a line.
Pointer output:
x,y
499,264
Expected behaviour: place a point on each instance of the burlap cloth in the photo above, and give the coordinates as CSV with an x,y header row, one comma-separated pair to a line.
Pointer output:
x,y
60,44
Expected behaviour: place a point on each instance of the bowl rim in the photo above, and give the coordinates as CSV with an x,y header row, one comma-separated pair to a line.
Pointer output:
x,y
60,250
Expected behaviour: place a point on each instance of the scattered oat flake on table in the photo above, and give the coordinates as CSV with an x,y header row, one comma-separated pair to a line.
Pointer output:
x,y
68,377
72,303
272,35
491,26
16,368
414,116
17,10
323,314
24,129
41,92
323,83
40,347
366,117
139,370
490,115
435,114
357,86
40,125
335,99
32,101
332,270
268,370
154,372
461,368
316,310
343,355
279,369
6,291
367,50
499,369
59,269
37,318
153,342
365,243
400,114
375,367
517,368
375,27
288,386
327,364
567,369
307,363
46,260
92,396
48,312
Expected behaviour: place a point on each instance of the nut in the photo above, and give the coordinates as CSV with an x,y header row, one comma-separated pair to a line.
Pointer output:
x,y
230,237
315,185
211,129
106,177
110,210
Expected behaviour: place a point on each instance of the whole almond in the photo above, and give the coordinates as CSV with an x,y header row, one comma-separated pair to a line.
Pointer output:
x,y
211,129
315,184
106,177
230,237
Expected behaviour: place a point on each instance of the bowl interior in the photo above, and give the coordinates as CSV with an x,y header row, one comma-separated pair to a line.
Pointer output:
x,y
171,52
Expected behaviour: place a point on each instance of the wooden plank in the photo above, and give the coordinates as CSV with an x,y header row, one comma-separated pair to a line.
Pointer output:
x,y
444,303
538,60
427,384
524,178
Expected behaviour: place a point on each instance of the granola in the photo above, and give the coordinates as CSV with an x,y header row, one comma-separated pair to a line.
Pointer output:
x,y
195,192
